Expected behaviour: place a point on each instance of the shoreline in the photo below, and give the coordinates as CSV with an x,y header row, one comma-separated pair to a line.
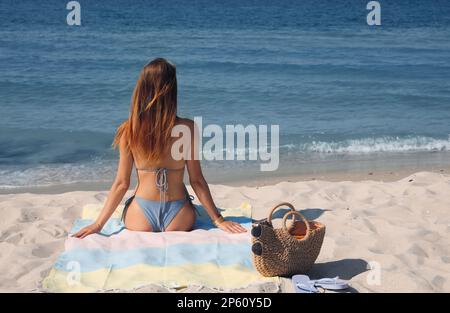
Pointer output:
x,y
338,176
379,176
385,167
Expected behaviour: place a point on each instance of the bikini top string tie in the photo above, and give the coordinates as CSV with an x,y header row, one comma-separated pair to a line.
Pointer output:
x,y
162,184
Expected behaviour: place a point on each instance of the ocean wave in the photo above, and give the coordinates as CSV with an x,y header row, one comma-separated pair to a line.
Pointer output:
x,y
377,145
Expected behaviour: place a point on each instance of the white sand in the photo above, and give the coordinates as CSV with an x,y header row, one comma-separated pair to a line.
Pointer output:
x,y
402,226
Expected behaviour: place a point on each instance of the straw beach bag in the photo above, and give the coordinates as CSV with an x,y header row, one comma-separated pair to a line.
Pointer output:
x,y
286,251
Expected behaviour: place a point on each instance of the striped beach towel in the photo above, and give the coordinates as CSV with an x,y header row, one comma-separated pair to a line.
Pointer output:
x,y
122,259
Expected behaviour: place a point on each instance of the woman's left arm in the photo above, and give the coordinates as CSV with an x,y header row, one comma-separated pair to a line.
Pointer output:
x,y
116,193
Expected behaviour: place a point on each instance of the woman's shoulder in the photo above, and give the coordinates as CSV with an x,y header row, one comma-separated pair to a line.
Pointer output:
x,y
123,128
122,133
123,125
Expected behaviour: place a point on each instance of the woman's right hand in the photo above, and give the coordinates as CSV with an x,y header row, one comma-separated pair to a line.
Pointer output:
x,y
88,230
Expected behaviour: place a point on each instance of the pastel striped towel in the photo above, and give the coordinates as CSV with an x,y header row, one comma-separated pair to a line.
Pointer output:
x,y
122,259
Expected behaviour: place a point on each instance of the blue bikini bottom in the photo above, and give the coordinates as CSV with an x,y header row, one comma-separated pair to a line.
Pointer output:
x,y
159,214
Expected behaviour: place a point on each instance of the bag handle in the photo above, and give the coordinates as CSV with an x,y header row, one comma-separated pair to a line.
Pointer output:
x,y
269,219
294,213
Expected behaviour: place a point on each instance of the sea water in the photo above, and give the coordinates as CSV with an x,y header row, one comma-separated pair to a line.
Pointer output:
x,y
338,88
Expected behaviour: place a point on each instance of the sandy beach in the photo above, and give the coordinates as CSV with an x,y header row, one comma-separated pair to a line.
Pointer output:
x,y
384,236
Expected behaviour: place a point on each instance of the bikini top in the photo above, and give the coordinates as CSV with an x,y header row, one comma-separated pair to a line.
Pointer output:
x,y
160,179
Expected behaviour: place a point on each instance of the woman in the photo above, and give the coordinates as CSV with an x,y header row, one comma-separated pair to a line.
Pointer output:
x,y
161,202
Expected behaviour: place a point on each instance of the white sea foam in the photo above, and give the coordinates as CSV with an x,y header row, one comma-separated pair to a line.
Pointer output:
x,y
381,144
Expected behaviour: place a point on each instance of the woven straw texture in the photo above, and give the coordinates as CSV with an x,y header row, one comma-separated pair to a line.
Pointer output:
x,y
282,254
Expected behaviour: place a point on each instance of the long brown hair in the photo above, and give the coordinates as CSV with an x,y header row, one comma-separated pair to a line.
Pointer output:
x,y
153,112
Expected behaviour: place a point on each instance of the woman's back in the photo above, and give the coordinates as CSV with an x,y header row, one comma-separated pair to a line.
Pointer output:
x,y
164,176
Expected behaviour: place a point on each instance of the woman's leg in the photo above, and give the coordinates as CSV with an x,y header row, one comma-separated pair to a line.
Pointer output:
x,y
184,220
